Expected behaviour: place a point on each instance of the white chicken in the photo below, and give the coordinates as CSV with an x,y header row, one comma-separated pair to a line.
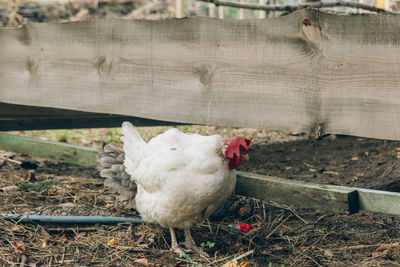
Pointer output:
x,y
181,178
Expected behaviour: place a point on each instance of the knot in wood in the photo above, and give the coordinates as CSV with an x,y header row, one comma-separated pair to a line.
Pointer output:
x,y
206,72
312,32
32,65
103,66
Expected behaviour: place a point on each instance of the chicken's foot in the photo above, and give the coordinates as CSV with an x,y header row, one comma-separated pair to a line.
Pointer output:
x,y
174,244
190,244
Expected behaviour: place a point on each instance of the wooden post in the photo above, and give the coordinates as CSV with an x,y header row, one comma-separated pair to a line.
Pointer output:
x,y
211,10
385,4
179,9
261,13
220,12
241,11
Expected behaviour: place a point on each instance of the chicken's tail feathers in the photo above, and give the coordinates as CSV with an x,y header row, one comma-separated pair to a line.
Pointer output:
x,y
111,160
131,134
133,146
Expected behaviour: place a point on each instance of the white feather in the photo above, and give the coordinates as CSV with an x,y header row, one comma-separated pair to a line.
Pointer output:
x,y
181,178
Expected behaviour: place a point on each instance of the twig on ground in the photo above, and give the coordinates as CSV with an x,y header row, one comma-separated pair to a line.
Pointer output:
x,y
13,161
243,255
236,258
357,247
276,228
297,215
310,258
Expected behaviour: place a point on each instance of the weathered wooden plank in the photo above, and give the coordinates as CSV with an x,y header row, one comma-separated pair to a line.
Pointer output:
x,y
298,193
308,71
379,201
49,149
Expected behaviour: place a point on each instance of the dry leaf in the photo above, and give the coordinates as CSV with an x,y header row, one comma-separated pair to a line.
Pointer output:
x,y
239,247
328,253
244,264
383,249
19,247
112,243
303,248
81,234
109,205
375,254
277,247
232,263
16,228
44,232
62,237
354,158
142,261
386,246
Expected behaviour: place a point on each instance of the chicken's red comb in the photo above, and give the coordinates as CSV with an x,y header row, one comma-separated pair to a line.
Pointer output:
x,y
234,146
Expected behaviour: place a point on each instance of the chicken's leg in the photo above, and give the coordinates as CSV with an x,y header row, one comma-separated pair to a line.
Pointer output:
x,y
190,244
174,244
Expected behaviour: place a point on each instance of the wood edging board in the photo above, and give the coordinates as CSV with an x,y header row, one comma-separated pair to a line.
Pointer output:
x,y
297,193
36,147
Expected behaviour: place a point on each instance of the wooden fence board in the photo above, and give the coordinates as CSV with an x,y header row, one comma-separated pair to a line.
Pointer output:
x,y
308,71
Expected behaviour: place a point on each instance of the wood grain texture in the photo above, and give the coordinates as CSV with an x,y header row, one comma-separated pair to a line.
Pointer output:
x,y
308,71
298,193
379,201
80,155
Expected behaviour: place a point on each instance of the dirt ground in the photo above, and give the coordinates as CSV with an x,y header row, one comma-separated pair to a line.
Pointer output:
x,y
337,160
280,236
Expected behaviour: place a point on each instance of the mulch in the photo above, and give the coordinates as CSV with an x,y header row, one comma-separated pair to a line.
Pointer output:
x,y
279,235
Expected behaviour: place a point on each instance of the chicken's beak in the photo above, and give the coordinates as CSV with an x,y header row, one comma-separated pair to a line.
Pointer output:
x,y
245,156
